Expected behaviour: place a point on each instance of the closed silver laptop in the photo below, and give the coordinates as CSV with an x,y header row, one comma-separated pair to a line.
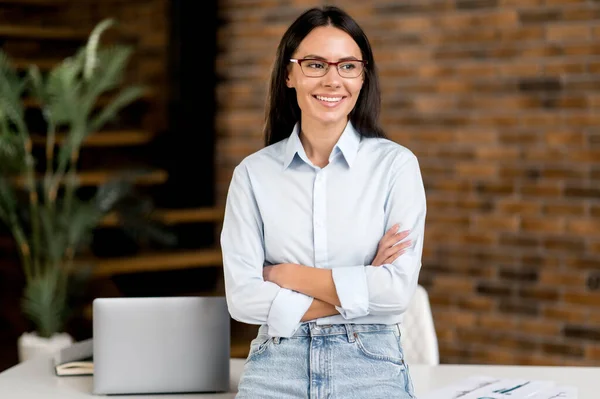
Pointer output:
x,y
161,345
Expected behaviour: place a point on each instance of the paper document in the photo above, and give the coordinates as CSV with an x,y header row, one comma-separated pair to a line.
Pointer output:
x,y
486,387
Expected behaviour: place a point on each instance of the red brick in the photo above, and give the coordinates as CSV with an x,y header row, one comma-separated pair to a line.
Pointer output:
x,y
475,170
518,206
594,247
539,327
564,209
561,32
563,66
546,155
544,120
476,303
476,137
586,262
497,223
546,189
520,69
593,351
452,284
580,298
565,278
549,225
564,137
455,318
586,227
564,313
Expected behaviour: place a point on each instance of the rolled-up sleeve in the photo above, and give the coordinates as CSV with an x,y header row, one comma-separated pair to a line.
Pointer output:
x,y
388,289
250,299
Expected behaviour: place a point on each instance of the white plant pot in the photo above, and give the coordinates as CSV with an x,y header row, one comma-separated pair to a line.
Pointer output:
x,y
30,345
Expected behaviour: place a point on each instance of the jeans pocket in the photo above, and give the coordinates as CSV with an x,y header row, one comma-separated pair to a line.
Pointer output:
x,y
380,346
258,346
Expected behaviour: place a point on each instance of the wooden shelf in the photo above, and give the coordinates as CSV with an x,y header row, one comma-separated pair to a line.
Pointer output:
x,y
175,216
148,95
42,64
119,138
46,3
97,177
156,262
36,32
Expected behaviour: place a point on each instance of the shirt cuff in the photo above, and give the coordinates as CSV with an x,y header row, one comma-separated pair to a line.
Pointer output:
x,y
286,312
352,290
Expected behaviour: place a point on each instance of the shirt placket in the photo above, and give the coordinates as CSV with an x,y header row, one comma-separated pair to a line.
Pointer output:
x,y
320,219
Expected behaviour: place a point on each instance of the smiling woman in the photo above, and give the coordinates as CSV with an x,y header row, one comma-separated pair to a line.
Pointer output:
x,y
326,95
323,229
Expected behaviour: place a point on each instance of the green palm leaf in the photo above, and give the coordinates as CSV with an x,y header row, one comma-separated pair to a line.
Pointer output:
x,y
109,112
45,303
12,154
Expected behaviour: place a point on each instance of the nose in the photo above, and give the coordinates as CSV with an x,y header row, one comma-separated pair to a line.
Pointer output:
x,y
332,78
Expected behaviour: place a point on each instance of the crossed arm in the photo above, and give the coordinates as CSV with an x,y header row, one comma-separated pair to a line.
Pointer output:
x,y
319,284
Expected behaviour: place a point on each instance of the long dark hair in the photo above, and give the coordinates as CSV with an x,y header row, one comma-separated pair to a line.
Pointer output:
x,y
282,110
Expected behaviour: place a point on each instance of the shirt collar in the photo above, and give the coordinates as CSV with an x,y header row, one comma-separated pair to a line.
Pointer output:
x,y
347,144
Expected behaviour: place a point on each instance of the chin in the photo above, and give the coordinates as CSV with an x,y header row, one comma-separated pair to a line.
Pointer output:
x,y
339,117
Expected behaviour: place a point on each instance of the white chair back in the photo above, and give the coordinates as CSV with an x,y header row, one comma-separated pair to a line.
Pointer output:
x,y
419,340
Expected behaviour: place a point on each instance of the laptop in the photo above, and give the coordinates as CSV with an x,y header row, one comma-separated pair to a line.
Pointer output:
x,y
155,345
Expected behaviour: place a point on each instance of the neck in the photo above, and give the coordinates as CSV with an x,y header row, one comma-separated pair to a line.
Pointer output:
x,y
318,141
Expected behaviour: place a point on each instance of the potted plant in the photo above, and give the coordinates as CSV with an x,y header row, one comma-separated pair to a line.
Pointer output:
x,y
40,206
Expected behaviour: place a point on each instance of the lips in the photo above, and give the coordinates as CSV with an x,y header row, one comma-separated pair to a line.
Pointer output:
x,y
330,100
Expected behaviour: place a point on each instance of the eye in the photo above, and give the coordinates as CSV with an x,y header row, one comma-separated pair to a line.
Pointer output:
x,y
315,65
348,66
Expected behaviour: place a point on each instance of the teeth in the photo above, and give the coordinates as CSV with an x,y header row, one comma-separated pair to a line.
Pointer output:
x,y
329,99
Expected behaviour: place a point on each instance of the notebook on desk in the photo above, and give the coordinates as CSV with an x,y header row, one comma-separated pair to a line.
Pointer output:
x,y
75,360
160,345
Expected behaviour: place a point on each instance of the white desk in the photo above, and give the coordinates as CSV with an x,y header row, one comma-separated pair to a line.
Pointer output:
x,y
35,379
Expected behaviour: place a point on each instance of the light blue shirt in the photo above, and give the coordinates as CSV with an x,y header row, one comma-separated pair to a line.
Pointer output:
x,y
283,209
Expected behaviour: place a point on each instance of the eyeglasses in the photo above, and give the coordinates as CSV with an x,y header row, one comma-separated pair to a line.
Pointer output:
x,y
314,68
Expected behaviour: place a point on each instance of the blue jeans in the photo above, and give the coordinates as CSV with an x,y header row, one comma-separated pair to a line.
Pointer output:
x,y
340,361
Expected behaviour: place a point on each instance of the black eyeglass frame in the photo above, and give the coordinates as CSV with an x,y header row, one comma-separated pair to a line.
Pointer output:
x,y
329,64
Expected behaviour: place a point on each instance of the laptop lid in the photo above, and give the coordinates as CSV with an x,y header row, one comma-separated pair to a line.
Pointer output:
x,y
161,345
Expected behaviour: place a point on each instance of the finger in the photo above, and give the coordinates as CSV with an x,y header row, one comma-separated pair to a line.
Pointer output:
x,y
395,248
395,238
403,245
401,235
391,231
395,256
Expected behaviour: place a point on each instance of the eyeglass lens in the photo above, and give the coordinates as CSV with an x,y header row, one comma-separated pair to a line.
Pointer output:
x,y
349,69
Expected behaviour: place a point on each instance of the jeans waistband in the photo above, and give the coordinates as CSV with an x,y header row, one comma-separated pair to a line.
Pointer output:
x,y
311,329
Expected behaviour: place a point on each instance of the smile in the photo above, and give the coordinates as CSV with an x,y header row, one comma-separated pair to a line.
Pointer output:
x,y
329,101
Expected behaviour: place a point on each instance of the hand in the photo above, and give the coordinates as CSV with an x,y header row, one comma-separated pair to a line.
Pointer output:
x,y
390,247
276,273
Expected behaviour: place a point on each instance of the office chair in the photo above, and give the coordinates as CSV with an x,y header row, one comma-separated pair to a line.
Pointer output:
x,y
419,340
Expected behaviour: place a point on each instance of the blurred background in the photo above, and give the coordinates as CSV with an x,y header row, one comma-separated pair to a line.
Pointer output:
x,y
499,100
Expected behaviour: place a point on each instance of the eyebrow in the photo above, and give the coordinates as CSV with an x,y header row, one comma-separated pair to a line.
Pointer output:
x,y
318,57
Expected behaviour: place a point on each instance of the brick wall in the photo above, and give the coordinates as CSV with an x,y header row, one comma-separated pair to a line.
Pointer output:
x,y
500,100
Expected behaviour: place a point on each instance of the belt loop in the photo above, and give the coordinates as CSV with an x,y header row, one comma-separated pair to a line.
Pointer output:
x,y
350,333
399,330
276,340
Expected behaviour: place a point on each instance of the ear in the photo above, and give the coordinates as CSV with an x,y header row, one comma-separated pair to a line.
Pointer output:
x,y
288,82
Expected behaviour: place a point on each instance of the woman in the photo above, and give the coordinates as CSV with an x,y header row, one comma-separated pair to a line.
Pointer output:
x,y
302,243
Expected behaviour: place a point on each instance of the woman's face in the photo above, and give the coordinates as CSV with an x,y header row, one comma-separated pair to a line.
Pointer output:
x,y
326,100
